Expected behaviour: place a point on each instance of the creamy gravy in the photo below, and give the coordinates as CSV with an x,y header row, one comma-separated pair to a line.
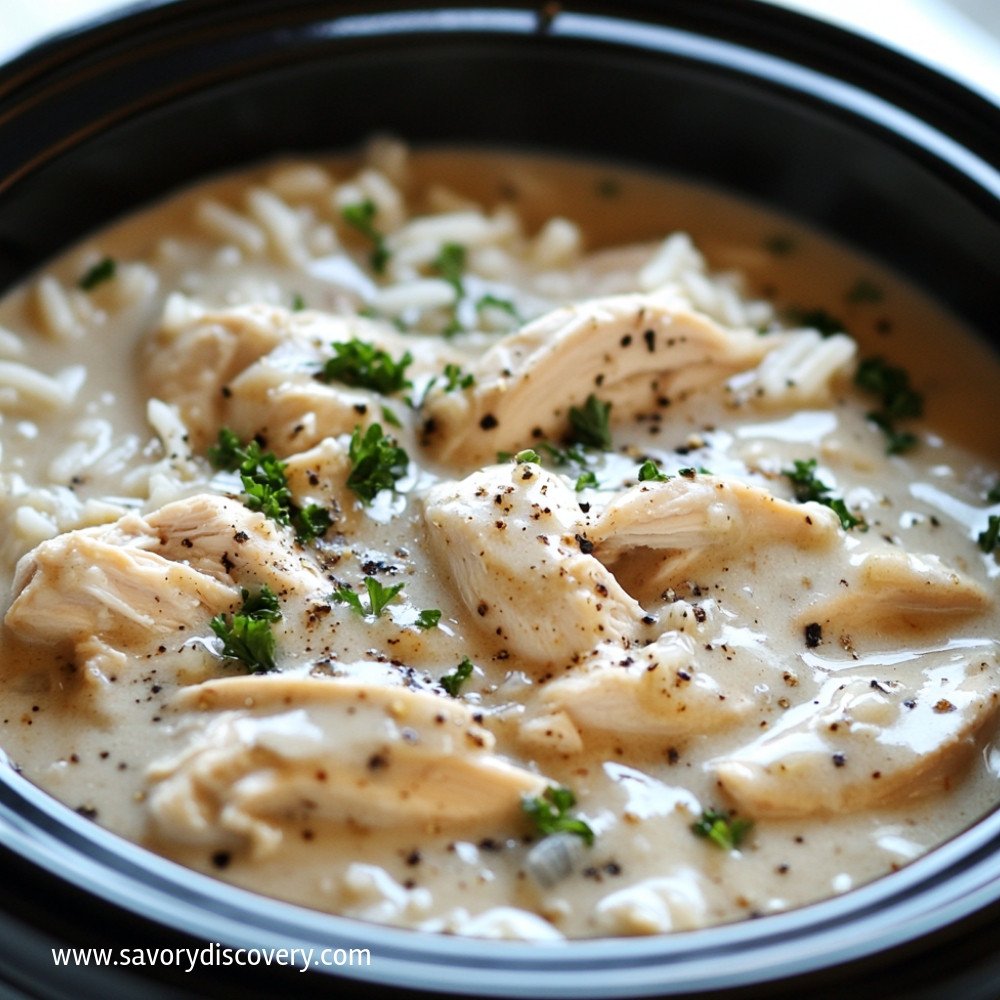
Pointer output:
x,y
810,679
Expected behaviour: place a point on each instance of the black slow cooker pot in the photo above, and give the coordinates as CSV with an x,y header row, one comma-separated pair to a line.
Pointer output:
x,y
795,114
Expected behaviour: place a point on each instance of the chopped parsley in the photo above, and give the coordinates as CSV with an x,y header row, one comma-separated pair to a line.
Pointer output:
x,y
589,424
818,319
390,418
726,832
246,636
103,270
563,456
560,456
357,363
455,378
808,487
452,682
378,597
310,522
428,619
361,217
550,814
377,462
490,301
650,472
899,400
450,264
990,538
298,302
265,487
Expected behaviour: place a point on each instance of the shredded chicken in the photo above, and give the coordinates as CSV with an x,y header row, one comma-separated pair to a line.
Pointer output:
x,y
252,369
693,513
131,582
508,539
335,750
527,382
663,691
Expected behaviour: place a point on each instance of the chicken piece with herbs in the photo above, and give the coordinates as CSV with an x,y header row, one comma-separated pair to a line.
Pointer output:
x,y
132,583
289,379
526,383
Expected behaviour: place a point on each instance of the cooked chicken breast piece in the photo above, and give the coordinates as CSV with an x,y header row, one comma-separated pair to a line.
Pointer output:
x,y
131,582
252,369
889,590
664,691
291,410
528,381
99,583
866,742
693,513
224,539
188,365
277,749
509,541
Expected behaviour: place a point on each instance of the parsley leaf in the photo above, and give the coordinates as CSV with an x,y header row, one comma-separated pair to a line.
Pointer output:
x,y
378,597
103,270
390,418
489,301
228,453
450,264
298,302
898,398
311,521
818,319
377,462
550,813
428,618
357,363
990,538
361,217
528,455
589,424
456,379
246,636
724,831
564,456
452,682
585,480
650,472
808,487
265,487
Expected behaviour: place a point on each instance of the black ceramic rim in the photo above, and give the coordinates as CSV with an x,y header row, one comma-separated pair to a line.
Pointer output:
x,y
946,128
